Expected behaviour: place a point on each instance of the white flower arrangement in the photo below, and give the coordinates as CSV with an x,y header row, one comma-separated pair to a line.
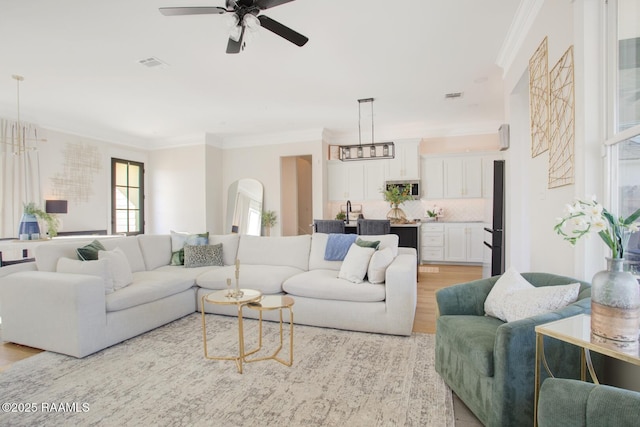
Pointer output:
x,y
584,217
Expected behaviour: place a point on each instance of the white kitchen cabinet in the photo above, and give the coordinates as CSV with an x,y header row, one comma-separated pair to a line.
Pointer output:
x,y
406,164
345,181
432,177
374,178
432,242
462,177
463,242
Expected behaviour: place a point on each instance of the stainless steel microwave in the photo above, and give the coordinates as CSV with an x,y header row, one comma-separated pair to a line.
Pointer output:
x,y
415,187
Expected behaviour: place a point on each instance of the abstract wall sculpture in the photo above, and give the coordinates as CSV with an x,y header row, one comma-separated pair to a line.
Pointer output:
x,y
539,99
562,122
81,162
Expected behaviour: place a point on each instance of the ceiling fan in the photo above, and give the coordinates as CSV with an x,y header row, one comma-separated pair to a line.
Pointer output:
x,y
245,15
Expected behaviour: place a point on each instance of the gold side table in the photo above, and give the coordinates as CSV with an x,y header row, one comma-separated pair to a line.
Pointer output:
x,y
222,298
576,330
269,303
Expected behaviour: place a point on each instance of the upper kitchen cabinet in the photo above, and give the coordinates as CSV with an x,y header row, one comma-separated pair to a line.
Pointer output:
x,y
345,181
374,178
462,177
406,164
432,177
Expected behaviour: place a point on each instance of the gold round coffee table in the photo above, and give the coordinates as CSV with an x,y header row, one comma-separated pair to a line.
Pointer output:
x,y
269,303
222,298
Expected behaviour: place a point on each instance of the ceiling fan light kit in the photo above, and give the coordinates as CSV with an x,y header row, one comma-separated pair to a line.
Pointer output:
x,y
368,151
245,15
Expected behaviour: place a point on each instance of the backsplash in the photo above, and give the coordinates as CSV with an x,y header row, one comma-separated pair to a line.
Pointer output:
x,y
453,209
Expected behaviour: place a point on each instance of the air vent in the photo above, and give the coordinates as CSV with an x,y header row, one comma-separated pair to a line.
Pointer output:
x,y
153,62
453,95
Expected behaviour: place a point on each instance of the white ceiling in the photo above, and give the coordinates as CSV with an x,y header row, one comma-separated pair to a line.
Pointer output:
x,y
80,63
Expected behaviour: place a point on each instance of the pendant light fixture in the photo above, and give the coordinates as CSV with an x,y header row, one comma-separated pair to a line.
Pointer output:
x,y
20,143
369,151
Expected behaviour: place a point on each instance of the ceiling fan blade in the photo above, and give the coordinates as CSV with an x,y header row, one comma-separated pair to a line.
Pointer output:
x,y
283,31
197,10
235,46
266,4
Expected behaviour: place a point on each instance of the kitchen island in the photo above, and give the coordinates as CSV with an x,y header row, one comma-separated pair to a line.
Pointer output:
x,y
408,234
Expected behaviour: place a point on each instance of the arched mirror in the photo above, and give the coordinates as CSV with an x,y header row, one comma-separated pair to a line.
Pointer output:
x,y
244,207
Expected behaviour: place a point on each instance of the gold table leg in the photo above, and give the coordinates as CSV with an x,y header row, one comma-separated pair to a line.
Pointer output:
x,y
241,355
274,356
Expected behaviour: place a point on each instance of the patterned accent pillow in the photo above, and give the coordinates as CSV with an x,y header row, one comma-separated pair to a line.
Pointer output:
x,y
180,239
90,252
531,302
511,281
204,255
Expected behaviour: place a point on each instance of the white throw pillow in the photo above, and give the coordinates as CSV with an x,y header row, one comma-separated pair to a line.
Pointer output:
x,y
378,264
355,264
120,268
510,282
531,302
100,268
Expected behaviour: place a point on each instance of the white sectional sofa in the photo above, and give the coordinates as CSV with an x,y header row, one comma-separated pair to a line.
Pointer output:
x,y
72,314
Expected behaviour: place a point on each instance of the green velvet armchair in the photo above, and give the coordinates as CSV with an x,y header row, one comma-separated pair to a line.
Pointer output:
x,y
571,403
490,364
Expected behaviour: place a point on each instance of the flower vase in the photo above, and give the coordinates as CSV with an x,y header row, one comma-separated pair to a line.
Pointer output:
x,y
615,307
396,215
28,227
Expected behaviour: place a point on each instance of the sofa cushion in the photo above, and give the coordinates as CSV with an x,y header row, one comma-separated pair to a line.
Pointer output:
x,y
120,268
131,249
191,273
147,286
267,279
291,251
156,249
355,264
319,244
99,267
230,244
325,284
473,338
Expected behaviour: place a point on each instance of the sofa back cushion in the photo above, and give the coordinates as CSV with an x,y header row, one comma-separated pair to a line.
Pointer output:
x,y
292,251
131,249
48,253
156,249
319,245
229,246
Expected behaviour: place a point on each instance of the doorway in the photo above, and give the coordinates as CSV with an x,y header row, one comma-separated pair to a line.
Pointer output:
x,y
296,195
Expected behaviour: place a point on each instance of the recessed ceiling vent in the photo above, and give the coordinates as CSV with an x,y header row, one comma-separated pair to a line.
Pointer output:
x,y
153,62
453,95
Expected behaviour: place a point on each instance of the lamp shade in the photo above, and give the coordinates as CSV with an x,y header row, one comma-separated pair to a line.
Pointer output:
x,y
55,206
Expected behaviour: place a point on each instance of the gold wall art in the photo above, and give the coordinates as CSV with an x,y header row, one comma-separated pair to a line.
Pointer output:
x,y
539,99
562,122
81,163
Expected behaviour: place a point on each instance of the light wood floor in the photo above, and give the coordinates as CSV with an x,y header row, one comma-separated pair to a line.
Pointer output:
x,y
430,279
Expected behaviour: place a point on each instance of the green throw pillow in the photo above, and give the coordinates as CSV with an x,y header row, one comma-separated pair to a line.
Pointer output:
x,y
368,243
90,251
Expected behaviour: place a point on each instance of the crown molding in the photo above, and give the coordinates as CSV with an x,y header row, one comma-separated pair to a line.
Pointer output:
x,y
520,26
254,140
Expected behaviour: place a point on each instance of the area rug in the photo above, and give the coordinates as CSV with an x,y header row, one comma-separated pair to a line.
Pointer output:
x,y
161,378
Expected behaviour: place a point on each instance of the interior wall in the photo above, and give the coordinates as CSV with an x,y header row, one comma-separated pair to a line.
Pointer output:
x,y
460,144
305,194
64,175
178,196
263,163
214,191
289,195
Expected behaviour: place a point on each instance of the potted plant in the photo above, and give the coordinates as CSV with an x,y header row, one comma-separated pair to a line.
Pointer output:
x,y
29,224
341,216
269,219
396,196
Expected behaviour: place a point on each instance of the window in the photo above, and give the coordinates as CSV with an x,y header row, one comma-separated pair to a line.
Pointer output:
x,y
624,141
127,201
